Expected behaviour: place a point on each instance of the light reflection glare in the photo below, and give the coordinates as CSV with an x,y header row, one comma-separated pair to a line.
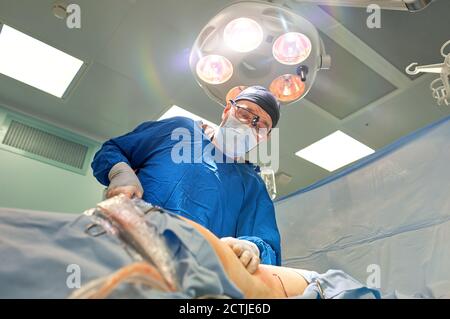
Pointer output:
x,y
243,35
214,69
292,48
287,88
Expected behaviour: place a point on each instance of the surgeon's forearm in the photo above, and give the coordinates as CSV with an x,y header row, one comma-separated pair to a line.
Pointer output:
x,y
105,158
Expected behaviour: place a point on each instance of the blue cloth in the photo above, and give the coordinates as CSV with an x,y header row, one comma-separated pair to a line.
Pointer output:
x,y
387,215
335,284
39,248
229,199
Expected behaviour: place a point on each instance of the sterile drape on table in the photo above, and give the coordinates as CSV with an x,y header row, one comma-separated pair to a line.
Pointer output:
x,y
387,216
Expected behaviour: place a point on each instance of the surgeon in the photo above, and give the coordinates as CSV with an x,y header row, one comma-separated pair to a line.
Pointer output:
x,y
220,191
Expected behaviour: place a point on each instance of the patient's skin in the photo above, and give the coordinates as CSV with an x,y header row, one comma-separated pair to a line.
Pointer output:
x,y
267,282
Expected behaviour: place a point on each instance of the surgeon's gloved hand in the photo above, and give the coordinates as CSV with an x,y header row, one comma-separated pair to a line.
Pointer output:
x,y
123,180
246,251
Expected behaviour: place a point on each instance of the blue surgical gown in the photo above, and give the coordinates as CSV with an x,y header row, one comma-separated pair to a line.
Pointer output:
x,y
229,199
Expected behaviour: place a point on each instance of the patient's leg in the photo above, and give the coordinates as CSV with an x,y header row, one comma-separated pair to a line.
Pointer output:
x,y
266,282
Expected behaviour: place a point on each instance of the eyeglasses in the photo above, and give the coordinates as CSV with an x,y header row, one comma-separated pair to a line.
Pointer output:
x,y
247,117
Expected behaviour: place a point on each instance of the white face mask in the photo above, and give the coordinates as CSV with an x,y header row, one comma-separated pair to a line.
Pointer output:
x,y
234,138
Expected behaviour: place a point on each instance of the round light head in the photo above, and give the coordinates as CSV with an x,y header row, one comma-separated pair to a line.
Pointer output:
x,y
243,34
287,88
257,42
214,69
292,48
234,92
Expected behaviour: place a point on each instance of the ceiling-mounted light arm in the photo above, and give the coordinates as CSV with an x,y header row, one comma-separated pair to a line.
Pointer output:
x,y
417,5
325,59
402,5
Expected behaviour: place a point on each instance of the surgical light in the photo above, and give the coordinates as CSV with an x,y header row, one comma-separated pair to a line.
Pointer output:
x,y
243,34
260,43
214,69
287,88
292,48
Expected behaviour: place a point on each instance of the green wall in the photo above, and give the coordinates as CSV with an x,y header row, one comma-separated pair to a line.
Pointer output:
x,y
31,184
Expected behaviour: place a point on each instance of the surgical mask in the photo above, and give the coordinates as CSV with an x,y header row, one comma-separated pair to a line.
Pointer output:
x,y
234,138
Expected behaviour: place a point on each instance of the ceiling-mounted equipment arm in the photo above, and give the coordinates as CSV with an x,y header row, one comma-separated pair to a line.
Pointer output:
x,y
441,86
402,5
417,5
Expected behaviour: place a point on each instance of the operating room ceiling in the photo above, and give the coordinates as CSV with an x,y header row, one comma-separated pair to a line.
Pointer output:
x,y
137,54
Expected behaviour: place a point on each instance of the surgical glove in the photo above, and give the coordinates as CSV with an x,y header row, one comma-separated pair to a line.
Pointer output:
x,y
246,251
123,180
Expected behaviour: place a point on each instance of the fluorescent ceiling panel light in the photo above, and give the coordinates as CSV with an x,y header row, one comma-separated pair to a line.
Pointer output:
x,y
335,151
178,111
35,63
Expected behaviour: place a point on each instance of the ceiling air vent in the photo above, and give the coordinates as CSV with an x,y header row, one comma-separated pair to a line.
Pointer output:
x,y
45,145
